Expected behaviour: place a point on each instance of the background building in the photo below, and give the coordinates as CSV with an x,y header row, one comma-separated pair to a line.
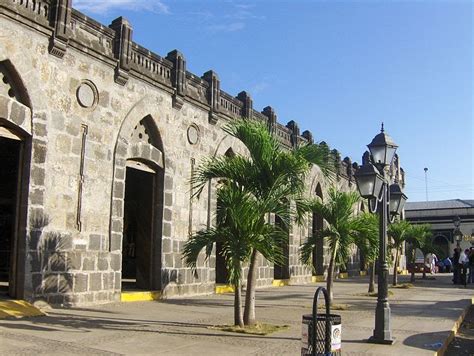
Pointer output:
x,y
441,215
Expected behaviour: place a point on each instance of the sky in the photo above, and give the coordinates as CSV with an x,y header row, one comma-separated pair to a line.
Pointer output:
x,y
338,68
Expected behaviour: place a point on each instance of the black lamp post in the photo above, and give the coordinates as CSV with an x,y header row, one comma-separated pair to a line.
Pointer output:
x,y
457,230
388,201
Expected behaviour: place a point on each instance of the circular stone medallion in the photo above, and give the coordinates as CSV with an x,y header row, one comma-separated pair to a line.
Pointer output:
x,y
86,94
193,134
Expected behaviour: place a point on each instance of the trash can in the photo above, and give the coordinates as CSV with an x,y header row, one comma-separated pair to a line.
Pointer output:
x,y
335,334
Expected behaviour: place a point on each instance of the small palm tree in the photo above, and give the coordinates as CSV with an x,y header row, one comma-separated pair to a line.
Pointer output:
x,y
240,228
269,170
342,229
419,237
398,233
368,242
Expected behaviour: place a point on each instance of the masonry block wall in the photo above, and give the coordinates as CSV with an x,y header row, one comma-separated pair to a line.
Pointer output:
x,y
87,102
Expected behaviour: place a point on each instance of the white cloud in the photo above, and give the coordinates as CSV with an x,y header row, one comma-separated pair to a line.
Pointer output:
x,y
259,87
231,27
102,6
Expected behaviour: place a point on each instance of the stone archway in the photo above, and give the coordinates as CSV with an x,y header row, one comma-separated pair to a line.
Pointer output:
x,y
317,225
442,244
15,156
138,204
222,272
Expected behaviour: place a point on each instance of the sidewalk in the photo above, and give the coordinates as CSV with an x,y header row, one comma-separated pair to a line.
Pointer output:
x,y
422,318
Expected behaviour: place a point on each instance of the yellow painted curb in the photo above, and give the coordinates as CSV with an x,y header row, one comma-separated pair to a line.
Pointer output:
x,y
140,296
319,278
18,309
280,282
454,330
343,275
363,273
224,288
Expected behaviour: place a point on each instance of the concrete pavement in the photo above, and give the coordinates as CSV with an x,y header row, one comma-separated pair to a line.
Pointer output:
x,y
422,320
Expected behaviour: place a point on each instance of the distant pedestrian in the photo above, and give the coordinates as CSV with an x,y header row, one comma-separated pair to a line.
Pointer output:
x,y
456,268
463,264
433,262
448,265
471,266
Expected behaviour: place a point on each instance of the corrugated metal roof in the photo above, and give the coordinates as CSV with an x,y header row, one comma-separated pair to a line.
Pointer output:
x,y
439,204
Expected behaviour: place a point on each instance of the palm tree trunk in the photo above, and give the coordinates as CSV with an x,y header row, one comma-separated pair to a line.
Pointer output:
x,y
412,262
238,317
330,280
395,268
249,311
372,277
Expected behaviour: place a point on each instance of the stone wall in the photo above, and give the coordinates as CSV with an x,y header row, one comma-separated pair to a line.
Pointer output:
x,y
88,101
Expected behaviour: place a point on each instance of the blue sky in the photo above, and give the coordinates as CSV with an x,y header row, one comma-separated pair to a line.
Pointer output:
x,y
338,68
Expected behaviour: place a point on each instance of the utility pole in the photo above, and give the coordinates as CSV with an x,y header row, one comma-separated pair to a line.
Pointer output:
x,y
426,182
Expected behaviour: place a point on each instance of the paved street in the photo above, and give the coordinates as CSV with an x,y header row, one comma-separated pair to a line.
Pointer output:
x,y
422,318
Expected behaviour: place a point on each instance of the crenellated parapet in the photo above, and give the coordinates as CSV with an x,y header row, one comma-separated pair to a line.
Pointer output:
x,y
114,45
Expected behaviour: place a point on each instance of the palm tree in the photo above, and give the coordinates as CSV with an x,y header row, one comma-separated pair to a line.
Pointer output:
x,y
267,166
240,228
341,230
419,237
398,233
368,242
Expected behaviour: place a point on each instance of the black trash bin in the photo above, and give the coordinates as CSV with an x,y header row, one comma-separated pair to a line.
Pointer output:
x,y
335,335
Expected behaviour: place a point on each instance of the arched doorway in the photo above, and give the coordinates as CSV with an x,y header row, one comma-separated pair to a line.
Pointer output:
x,y
282,271
11,152
15,153
222,272
143,209
442,244
318,252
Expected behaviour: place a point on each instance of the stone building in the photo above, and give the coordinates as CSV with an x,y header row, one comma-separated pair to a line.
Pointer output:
x,y
445,217
98,139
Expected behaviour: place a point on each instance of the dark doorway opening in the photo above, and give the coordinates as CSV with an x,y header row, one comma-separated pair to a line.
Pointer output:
x,y
10,161
222,274
138,242
442,244
318,252
283,271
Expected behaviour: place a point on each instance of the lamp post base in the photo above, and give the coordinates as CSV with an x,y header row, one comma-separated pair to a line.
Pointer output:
x,y
388,341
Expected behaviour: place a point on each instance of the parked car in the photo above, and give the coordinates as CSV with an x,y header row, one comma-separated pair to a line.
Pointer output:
x,y
420,264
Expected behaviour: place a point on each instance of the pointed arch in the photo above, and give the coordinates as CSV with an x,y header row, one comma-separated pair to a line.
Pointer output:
x,y
137,201
317,225
15,104
15,158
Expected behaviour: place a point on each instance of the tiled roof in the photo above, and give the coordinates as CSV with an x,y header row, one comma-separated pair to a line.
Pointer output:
x,y
439,204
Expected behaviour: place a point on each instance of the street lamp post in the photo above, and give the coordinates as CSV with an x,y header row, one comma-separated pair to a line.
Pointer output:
x,y
457,230
388,201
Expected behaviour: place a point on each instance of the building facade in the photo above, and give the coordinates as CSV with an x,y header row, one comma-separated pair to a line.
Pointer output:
x,y
445,217
99,138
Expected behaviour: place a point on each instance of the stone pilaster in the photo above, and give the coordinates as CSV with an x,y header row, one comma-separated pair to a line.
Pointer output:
x,y
213,94
272,117
246,99
178,77
60,19
122,48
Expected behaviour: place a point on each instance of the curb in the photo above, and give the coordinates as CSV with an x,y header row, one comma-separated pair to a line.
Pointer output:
x,y
453,331
140,296
18,309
